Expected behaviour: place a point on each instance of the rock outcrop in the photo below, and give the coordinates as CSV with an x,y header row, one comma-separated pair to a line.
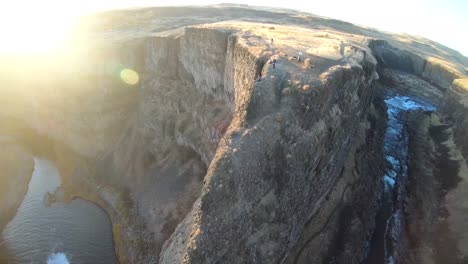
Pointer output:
x,y
167,126
438,180
454,110
276,164
428,66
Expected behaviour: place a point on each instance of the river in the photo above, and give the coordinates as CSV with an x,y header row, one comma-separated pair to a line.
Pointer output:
x,y
78,232
390,220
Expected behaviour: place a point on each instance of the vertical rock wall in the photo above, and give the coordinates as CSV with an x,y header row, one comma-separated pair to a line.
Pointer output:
x,y
277,166
454,110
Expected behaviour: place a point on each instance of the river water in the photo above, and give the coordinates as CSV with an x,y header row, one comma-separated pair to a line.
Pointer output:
x,y
390,220
56,233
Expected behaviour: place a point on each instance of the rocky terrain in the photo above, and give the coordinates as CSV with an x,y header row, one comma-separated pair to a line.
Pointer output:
x,y
161,119
16,166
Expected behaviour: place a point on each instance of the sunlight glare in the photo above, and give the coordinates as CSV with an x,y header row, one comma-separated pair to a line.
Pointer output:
x,y
32,28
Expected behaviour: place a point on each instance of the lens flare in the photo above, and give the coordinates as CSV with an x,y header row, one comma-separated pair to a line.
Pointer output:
x,y
129,76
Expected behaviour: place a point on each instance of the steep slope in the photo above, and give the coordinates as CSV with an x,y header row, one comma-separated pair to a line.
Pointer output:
x,y
164,125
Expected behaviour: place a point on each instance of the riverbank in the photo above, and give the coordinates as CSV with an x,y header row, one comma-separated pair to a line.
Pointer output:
x,y
16,165
434,207
77,182
80,231
133,241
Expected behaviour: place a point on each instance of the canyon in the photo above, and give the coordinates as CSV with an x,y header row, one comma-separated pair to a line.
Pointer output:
x,y
352,149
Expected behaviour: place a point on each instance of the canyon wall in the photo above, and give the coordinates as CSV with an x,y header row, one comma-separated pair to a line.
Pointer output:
x,y
197,162
430,67
454,110
437,154
279,164
279,145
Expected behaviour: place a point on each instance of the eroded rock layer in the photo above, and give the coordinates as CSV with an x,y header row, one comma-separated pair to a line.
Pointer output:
x,y
203,151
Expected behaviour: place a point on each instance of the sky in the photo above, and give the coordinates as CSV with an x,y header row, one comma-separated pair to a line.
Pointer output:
x,y
444,21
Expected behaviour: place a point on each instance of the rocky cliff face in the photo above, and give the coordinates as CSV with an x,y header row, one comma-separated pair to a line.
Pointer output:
x,y
454,109
198,162
428,66
276,165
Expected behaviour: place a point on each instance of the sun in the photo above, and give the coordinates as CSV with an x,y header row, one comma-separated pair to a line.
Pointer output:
x,y
30,28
